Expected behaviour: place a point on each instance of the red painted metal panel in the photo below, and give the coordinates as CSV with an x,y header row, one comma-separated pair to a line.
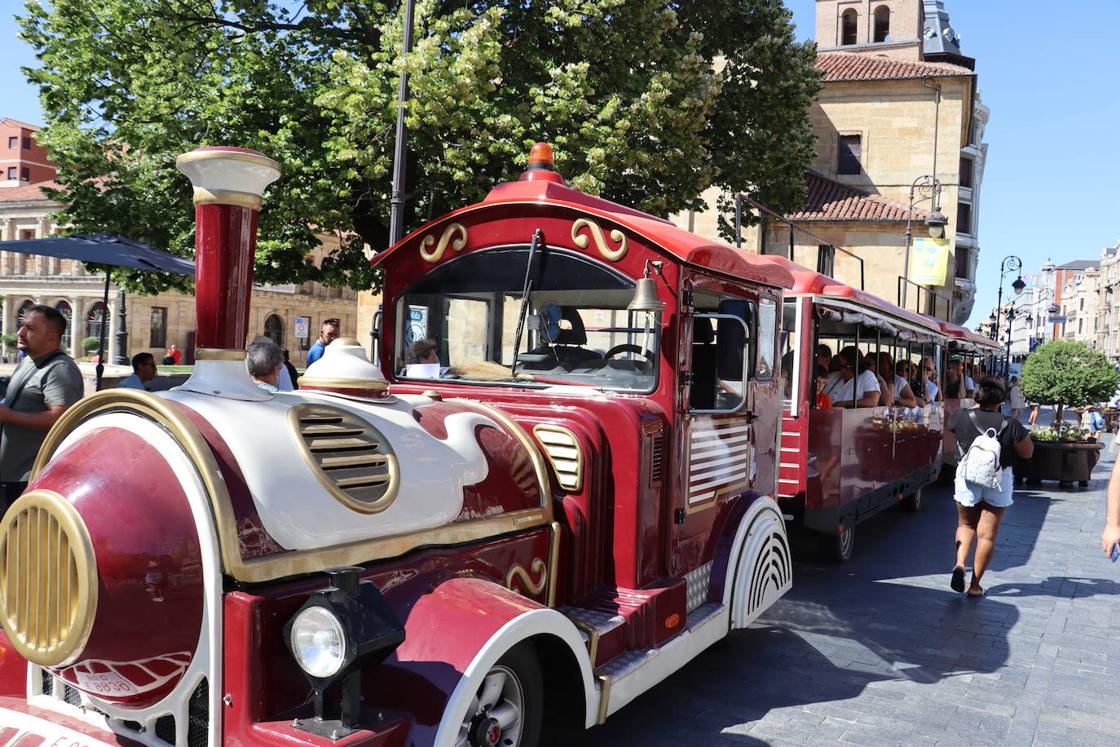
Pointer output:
x,y
225,245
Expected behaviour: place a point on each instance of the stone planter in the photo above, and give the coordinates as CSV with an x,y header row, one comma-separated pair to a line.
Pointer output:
x,y
1060,462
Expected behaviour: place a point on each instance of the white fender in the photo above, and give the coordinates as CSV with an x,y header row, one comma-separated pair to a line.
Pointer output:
x,y
543,621
760,569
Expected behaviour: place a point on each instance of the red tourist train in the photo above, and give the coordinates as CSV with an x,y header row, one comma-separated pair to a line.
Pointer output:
x,y
499,548
512,543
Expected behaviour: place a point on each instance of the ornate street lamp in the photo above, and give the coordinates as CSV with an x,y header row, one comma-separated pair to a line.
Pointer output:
x,y
924,188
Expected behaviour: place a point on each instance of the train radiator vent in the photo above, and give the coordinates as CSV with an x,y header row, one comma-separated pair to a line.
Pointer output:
x,y
351,458
657,458
198,716
563,452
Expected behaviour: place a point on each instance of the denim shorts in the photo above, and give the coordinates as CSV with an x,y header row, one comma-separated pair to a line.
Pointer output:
x,y
969,494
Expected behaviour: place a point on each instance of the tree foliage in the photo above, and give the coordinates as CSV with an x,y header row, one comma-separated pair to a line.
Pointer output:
x,y
646,102
1068,373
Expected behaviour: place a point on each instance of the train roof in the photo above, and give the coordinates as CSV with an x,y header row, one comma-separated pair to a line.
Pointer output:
x,y
957,333
808,282
687,248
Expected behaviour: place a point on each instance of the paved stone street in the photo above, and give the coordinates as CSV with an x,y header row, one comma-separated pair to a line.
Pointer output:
x,y
881,652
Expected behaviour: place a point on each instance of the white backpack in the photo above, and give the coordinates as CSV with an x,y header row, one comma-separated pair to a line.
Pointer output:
x,y
980,465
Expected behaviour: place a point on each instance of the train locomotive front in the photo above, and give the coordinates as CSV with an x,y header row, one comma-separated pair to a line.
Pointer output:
x,y
374,560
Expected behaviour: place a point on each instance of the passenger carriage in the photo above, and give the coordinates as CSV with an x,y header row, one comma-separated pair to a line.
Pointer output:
x,y
837,466
496,549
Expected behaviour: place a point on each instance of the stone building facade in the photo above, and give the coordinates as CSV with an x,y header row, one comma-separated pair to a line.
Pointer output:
x,y
900,104
152,322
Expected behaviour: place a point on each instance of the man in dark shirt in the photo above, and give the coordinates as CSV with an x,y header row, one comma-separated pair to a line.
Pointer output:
x,y
45,383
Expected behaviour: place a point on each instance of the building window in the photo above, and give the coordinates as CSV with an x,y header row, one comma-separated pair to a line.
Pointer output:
x,y
27,143
13,172
64,308
964,218
882,23
13,142
25,174
962,262
848,28
966,172
157,334
274,329
849,151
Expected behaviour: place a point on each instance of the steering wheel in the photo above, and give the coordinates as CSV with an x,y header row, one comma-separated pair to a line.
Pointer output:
x,y
629,348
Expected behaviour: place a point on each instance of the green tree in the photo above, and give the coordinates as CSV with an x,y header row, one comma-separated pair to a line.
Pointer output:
x,y
648,103
1068,374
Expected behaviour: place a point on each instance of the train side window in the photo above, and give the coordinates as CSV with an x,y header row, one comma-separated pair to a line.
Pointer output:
x,y
767,339
720,362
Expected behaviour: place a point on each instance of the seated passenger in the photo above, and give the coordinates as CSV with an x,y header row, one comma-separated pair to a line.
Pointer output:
x,y
929,375
853,385
957,383
886,388
908,372
821,378
901,393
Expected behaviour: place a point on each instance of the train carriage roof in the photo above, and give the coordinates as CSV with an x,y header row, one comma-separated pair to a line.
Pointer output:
x,y
966,337
808,282
685,247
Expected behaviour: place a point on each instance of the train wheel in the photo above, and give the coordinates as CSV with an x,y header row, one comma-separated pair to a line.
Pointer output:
x,y
507,709
839,547
913,502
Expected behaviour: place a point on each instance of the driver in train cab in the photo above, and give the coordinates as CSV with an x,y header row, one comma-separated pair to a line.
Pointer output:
x,y
852,385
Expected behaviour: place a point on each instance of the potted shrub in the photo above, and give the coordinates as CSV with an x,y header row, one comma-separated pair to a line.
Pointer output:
x,y
1065,374
90,345
10,345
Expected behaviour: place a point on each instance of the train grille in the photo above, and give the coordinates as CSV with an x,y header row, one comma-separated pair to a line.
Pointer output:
x,y
352,459
48,578
562,450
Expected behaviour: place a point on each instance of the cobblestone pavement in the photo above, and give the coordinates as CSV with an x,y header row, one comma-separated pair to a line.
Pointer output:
x,y
881,652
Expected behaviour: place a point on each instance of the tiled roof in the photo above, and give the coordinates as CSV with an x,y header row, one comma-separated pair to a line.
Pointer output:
x,y
838,66
27,192
831,201
16,123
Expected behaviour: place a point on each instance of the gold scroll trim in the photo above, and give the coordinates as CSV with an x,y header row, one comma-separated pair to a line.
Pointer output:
x,y
583,241
430,255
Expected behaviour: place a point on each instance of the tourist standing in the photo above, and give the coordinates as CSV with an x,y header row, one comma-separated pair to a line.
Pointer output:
x,y
1015,398
980,508
328,333
1110,537
45,384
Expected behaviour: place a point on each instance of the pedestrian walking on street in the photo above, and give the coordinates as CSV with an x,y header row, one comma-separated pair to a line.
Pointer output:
x,y
1110,537
1015,398
985,438
45,384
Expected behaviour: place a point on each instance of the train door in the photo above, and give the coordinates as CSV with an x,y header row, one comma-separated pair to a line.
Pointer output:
x,y
718,452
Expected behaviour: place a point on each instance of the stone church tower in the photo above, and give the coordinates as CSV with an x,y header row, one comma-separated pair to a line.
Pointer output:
x,y
913,30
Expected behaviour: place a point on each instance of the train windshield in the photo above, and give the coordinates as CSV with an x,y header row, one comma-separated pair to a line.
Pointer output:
x,y
483,318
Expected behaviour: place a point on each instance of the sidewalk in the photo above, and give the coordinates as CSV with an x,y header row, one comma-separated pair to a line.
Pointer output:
x,y
881,652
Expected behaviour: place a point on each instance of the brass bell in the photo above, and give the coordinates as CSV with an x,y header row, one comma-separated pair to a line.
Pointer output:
x,y
645,297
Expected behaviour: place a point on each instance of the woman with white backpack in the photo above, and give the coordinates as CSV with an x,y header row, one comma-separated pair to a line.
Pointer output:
x,y
987,443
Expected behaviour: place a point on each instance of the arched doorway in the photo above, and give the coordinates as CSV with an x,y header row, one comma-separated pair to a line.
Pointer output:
x,y
67,311
882,23
274,329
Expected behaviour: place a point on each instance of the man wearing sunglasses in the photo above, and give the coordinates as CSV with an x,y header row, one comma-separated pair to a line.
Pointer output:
x,y
328,332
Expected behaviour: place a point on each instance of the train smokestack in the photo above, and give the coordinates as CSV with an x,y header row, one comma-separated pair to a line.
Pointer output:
x,y
228,185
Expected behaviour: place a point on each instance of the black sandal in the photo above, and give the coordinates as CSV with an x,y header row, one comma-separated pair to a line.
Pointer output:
x,y
957,582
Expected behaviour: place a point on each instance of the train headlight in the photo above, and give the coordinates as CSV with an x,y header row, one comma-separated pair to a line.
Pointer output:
x,y
318,642
332,637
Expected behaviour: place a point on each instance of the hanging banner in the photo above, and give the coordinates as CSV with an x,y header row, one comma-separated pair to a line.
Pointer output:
x,y
929,261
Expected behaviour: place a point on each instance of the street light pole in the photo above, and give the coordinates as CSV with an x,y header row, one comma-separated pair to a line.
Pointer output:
x,y
400,151
1010,263
928,188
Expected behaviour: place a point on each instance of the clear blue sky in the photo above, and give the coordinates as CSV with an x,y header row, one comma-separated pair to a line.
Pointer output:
x,y
1049,79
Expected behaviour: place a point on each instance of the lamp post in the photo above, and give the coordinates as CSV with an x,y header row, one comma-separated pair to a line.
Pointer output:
x,y
923,188
1010,263
400,151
